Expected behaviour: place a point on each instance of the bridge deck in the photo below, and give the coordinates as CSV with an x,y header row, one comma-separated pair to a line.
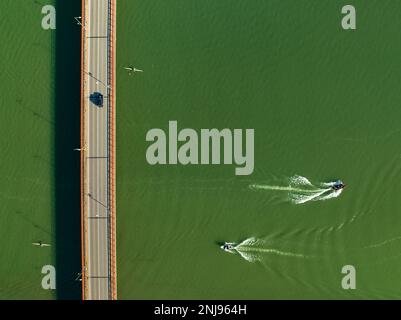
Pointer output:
x,y
97,155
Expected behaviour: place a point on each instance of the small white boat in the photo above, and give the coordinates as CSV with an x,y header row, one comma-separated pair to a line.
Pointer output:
x,y
229,246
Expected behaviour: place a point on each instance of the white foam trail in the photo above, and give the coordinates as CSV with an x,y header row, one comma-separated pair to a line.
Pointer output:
x,y
322,195
252,250
280,188
300,180
274,251
249,242
333,194
380,244
248,256
328,184
301,190
298,198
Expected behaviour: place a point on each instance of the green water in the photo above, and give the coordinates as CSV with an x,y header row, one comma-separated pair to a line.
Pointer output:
x,y
324,104
39,126
27,159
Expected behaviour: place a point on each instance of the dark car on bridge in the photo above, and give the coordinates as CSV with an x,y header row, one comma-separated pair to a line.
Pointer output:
x,y
97,99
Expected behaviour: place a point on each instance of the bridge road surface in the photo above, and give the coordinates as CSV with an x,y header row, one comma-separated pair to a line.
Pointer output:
x,y
96,218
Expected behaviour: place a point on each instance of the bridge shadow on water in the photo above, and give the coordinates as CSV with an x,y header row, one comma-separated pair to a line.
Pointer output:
x,y
67,161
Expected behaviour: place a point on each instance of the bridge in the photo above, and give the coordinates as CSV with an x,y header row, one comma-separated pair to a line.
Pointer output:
x,y
98,209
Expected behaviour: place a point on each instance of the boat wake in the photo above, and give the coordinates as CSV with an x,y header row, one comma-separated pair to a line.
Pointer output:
x,y
301,190
254,250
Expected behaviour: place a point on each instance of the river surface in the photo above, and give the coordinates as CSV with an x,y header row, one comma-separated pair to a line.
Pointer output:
x,y
27,128
324,104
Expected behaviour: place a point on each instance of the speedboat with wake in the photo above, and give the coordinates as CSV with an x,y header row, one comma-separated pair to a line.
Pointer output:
x,y
338,185
229,246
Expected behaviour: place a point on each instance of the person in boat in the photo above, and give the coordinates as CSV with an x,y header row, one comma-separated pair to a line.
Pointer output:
x,y
338,185
228,246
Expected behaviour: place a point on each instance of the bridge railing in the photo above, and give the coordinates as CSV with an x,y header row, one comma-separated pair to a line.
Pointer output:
x,y
112,149
83,153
